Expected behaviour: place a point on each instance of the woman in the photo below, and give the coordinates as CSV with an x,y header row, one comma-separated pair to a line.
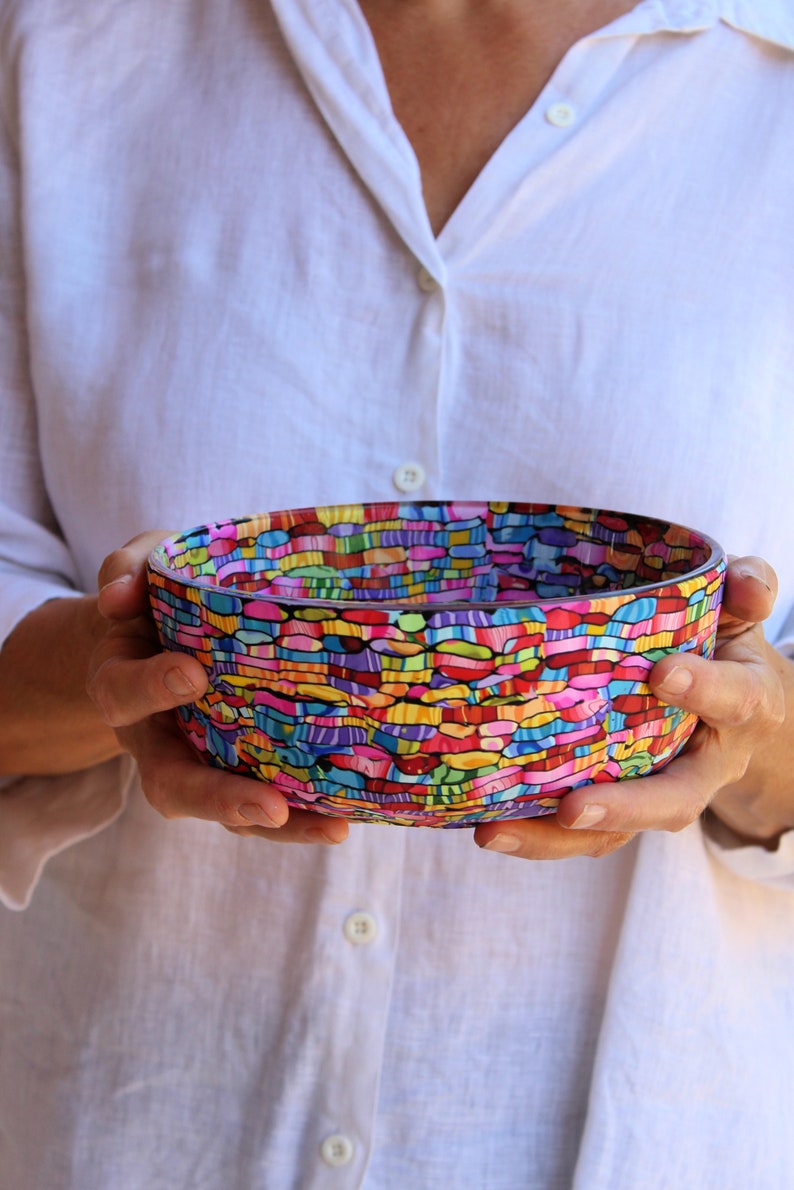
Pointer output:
x,y
519,252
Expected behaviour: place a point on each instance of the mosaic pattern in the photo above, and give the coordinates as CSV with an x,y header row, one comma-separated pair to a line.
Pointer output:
x,y
435,664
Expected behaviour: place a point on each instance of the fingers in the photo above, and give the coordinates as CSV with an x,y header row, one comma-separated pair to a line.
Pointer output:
x,y
750,591
128,678
668,800
122,577
302,826
597,819
740,688
177,785
740,700
174,780
128,682
546,839
134,684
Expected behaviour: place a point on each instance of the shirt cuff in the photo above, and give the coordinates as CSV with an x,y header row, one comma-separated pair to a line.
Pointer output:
x,y
775,869
41,816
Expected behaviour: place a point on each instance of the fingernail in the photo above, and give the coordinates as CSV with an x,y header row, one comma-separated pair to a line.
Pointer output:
x,y
758,578
115,584
505,844
123,580
589,816
254,813
677,681
316,834
177,683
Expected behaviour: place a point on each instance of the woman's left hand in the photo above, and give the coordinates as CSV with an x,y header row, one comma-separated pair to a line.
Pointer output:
x,y
737,761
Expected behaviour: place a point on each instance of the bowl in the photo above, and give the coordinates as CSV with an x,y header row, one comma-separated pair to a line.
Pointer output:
x,y
435,664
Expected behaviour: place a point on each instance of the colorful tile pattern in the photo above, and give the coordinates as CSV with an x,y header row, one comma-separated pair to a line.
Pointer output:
x,y
437,664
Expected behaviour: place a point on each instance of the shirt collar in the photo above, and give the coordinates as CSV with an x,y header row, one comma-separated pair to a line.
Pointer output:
x,y
768,20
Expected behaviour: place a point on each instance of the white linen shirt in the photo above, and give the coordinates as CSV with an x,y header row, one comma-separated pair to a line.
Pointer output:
x,y
220,294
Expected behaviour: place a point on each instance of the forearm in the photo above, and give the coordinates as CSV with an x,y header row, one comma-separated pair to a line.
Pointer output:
x,y
48,723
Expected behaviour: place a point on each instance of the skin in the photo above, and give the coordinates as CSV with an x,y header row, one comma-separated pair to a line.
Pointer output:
x,y
87,673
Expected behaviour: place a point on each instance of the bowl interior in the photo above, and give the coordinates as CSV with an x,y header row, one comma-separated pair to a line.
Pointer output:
x,y
453,552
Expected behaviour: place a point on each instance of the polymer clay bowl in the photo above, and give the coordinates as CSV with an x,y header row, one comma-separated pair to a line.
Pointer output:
x,y
435,664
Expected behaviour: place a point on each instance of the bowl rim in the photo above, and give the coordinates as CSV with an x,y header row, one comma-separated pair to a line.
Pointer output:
x,y
717,558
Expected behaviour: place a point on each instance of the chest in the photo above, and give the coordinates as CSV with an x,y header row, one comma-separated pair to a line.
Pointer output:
x,y
461,78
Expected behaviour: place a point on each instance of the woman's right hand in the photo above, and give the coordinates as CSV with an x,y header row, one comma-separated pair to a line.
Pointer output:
x,y
136,686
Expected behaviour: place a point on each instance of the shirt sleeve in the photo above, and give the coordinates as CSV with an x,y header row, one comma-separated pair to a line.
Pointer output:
x,y
772,868
35,564
39,816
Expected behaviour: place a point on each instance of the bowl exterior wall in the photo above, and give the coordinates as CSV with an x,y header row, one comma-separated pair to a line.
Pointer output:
x,y
435,716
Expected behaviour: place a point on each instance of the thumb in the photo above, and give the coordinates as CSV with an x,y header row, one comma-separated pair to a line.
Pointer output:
x,y
750,592
123,590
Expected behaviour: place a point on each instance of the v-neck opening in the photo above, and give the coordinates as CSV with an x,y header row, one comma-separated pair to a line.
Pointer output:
x,y
646,18
335,50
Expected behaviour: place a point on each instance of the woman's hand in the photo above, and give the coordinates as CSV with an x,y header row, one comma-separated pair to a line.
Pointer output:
x,y
737,761
136,686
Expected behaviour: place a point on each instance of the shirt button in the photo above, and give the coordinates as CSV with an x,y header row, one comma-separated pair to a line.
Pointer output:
x,y
409,477
426,281
360,928
337,1150
561,115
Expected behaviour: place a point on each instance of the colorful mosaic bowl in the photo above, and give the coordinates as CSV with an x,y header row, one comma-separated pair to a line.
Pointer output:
x,y
435,664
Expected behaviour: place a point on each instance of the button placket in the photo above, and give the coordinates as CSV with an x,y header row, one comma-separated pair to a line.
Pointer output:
x,y
356,949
